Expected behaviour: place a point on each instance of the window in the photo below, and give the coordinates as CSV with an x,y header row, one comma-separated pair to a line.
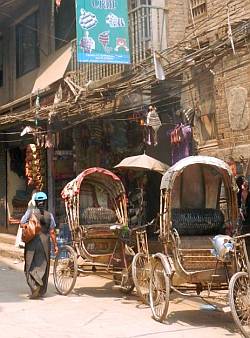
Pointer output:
x,y
27,49
198,8
208,127
206,108
141,18
1,61
65,26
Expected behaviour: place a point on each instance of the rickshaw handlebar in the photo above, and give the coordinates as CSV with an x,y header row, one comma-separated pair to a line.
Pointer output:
x,y
241,236
142,227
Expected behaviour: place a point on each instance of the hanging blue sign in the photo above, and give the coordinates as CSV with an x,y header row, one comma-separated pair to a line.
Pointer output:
x,y
102,31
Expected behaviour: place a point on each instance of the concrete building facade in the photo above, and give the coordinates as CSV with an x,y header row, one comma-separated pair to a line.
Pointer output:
x,y
35,35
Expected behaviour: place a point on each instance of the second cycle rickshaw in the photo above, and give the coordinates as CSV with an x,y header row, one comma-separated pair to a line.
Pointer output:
x,y
202,249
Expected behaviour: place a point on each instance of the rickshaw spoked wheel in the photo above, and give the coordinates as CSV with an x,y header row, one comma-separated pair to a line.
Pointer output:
x,y
239,301
65,270
141,276
159,290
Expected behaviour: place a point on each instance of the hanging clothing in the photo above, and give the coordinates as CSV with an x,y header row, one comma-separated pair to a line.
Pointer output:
x,y
153,123
181,138
95,132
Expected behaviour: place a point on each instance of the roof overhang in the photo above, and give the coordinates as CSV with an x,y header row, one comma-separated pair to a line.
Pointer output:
x,y
53,69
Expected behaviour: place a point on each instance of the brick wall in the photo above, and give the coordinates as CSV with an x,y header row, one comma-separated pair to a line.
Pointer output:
x,y
231,81
177,20
233,132
208,27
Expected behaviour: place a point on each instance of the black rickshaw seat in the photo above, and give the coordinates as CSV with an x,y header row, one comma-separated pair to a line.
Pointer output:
x,y
197,222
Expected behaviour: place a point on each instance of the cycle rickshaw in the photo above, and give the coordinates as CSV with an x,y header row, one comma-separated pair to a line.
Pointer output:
x,y
202,250
96,209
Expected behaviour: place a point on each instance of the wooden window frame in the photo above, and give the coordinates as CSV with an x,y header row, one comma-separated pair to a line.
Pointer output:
x,y
205,107
23,29
198,8
136,5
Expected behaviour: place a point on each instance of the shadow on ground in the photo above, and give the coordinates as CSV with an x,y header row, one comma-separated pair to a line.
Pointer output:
x,y
105,290
13,286
203,318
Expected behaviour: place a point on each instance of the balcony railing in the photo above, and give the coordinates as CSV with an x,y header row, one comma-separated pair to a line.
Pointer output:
x,y
148,26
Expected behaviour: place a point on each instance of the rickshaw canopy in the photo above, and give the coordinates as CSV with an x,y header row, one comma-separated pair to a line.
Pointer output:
x,y
168,179
199,182
99,176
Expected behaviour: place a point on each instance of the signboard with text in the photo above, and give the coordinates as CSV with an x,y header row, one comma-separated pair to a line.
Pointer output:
x,y
102,31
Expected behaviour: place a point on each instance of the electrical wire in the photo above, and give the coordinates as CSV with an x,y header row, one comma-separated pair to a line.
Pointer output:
x,y
19,132
197,27
146,72
123,87
17,140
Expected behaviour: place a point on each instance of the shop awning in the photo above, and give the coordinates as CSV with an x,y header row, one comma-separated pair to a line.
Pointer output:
x,y
53,69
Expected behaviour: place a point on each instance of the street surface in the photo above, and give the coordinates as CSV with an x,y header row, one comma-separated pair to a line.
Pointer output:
x,y
97,310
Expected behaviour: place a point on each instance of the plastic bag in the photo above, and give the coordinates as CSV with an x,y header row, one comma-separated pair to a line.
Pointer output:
x,y
19,243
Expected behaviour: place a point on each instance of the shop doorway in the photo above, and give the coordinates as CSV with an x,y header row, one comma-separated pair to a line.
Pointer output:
x,y
18,193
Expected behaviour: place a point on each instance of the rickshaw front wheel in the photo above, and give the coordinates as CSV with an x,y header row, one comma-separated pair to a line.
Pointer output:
x,y
159,290
141,276
239,301
65,270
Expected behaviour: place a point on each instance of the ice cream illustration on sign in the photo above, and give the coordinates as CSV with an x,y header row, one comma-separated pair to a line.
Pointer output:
x,y
103,38
121,43
114,21
87,20
87,43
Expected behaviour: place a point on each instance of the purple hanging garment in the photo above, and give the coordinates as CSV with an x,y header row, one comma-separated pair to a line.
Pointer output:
x,y
186,141
181,147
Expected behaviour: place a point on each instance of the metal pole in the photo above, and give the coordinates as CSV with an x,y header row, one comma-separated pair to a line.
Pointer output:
x,y
51,183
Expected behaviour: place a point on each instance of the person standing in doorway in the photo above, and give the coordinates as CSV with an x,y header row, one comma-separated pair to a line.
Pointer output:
x,y
37,251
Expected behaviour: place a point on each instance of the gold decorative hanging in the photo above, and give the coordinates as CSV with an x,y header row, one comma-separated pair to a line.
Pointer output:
x,y
33,166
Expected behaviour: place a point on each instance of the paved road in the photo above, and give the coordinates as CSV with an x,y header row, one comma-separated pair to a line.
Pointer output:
x,y
97,310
